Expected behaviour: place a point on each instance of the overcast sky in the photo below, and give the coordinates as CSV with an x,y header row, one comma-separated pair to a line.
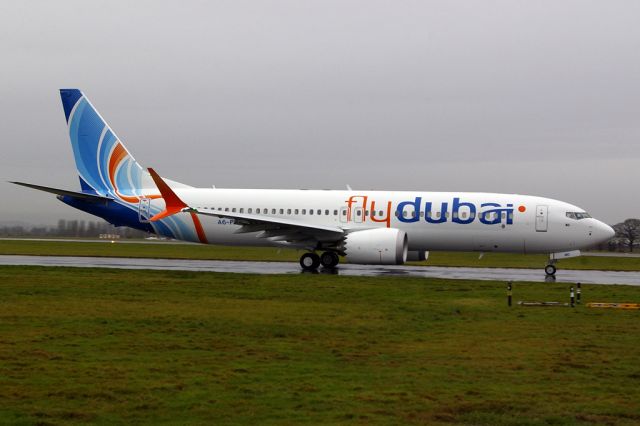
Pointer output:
x,y
530,97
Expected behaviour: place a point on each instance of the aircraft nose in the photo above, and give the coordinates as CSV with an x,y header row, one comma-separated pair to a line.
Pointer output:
x,y
604,232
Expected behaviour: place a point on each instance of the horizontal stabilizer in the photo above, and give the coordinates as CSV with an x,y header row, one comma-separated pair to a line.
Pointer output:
x,y
64,192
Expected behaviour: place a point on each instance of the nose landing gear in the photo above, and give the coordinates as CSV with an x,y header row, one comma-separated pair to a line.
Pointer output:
x,y
550,270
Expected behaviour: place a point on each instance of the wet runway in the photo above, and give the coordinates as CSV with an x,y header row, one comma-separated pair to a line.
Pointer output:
x,y
499,274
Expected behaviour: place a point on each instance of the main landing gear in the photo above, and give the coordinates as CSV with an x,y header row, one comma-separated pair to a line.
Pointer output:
x,y
311,261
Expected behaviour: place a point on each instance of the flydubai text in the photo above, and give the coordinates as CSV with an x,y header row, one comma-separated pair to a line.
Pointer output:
x,y
456,211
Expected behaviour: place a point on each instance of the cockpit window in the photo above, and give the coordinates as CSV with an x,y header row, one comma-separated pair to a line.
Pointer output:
x,y
578,215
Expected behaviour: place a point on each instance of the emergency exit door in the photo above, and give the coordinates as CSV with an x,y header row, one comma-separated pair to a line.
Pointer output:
x,y
542,213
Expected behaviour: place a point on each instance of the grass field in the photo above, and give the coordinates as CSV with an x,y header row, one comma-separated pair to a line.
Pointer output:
x,y
195,251
109,346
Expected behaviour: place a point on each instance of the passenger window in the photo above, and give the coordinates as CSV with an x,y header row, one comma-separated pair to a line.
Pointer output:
x,y
288,211
258,211
429,213
504,215
335,212
273,211
241,209
296,211
396,213
464,215
281,211
510,216
472,215
326,212
311,211
233,210
226,209
304,211
344,212
446,215
455,215
358,212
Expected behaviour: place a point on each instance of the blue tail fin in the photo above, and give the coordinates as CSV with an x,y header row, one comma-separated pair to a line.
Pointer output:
x,y
104,165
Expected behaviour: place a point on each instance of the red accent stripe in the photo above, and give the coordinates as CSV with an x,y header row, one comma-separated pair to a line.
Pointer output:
x,y
119,154
116,157
199,229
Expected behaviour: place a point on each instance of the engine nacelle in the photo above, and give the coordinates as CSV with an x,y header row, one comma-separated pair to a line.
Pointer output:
x,y
381,246
417,256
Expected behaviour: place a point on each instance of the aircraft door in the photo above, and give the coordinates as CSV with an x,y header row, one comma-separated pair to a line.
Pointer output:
x,y
144,210
542,213
343,214
357,214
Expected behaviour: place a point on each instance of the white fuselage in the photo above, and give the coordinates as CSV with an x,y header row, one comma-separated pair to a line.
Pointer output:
x,y
432,220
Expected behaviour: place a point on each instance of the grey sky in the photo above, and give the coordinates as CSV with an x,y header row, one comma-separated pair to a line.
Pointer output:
x,y
537,98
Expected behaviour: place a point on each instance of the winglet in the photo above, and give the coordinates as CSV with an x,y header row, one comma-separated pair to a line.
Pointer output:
x,y
173,203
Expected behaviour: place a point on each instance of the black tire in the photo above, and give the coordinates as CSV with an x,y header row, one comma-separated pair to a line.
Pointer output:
x,y
310,261
550,270
329,259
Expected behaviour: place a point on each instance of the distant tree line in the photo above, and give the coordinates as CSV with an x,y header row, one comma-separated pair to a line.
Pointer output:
x,y
627,235
71,228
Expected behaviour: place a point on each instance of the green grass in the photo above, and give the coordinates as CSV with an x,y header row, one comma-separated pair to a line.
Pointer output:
x,y
196,251
110,346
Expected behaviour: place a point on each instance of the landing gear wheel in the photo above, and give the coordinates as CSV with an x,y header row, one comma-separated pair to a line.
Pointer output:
x,y
310,261
550,270
329,259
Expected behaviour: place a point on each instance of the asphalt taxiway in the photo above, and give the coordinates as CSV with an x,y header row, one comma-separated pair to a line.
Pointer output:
x,y
246,267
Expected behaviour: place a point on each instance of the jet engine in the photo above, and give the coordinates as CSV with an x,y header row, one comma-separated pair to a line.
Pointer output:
x,y
381,246
417,256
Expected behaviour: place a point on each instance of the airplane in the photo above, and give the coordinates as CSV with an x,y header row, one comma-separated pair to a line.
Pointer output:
x,y
367,227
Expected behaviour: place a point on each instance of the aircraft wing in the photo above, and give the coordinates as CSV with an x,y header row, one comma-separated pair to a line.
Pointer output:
x,y
294,232
275,228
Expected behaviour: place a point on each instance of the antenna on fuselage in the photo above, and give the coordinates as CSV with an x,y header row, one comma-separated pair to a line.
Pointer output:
x,y
349,188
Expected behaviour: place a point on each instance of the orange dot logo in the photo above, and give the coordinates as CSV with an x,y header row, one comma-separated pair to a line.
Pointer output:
x,y
522,209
